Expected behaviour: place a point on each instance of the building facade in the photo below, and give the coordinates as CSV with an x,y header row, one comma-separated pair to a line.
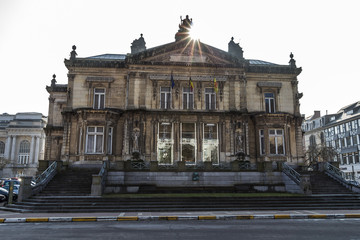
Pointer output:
x,y
22,143
183,101
339,131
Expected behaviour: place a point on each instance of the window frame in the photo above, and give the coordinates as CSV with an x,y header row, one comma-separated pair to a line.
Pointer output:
x,y
276,139
165,98
210,98
270,102
99,98
188,98
96,134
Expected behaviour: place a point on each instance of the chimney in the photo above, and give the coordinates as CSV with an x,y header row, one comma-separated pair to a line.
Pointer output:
x,y
316,114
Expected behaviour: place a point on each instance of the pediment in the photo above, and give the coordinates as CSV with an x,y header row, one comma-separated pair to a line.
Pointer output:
x,y
190,52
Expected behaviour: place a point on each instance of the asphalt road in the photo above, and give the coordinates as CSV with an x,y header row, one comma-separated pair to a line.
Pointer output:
x,y
308,229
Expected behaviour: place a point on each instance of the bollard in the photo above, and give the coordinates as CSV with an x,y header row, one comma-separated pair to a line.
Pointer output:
x,y
11,194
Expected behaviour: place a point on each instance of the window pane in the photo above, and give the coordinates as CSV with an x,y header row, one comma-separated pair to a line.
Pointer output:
x,y
280,145
207,101
102,102
213,101
272,145
2,147
90,144
191,101
188,153
99,141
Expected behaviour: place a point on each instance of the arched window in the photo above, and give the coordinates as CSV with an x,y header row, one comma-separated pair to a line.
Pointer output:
x,y
2,148
24,152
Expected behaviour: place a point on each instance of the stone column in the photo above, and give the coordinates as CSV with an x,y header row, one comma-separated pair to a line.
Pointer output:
x,y
37,149
31,159
7,147
13,147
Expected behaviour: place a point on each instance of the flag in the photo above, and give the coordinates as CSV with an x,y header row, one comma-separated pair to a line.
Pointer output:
x,y
191,85
216,86
172,81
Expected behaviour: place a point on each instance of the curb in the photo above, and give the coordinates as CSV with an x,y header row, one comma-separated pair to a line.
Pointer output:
x,y
177,218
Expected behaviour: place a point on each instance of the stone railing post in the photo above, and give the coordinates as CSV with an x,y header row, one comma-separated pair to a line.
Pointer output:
x,y
268,167
153,166
96,186
181,166
25,190
208,166
305,184
235,166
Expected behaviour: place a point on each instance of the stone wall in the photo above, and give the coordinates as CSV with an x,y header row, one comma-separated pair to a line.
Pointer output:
x,y
118,181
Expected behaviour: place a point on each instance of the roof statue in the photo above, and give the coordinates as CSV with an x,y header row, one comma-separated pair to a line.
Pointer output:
x,y
292,61
73,53
53,81
235,49
184,28
138,45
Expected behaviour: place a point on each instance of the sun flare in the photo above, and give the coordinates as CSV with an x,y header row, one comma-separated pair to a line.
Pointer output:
x,y
194,33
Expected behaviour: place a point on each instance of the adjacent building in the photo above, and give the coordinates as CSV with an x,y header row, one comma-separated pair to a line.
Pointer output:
x,y
339,131
22,142
184,101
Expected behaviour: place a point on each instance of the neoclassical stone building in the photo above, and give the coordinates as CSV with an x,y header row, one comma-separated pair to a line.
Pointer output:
x,y
183,101
22,141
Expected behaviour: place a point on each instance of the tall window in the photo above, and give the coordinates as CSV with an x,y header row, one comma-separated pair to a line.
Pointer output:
x,y
165,97
210,143
165,143
109,140
24,152
99,98
276,139
262,142
188,142
94,139
312,140
2,148
210,99
188,98
269,102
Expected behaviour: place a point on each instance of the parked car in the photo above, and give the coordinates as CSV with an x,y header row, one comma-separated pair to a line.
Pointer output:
x,y
6,183
4,194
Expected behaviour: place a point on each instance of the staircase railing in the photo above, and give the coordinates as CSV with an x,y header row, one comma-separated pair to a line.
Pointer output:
x,y
291,173
44,178
339,175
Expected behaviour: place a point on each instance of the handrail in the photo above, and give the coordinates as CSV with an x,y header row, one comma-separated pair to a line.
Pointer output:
x,y
44,178
335,172
103,174
290,172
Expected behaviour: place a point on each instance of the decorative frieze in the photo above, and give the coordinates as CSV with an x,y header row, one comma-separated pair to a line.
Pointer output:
x,y
202,78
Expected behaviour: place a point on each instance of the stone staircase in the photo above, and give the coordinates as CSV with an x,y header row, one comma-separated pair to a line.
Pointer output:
x,y
70,182
323,184
182,204
69,191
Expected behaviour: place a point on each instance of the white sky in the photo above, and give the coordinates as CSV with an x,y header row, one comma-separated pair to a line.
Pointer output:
x,y
36,36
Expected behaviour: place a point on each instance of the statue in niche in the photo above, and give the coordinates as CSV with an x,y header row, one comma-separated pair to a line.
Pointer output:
x,y
239,142
135,138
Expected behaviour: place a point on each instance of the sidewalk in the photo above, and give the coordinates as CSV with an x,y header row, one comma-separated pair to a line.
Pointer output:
x,y
15,217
